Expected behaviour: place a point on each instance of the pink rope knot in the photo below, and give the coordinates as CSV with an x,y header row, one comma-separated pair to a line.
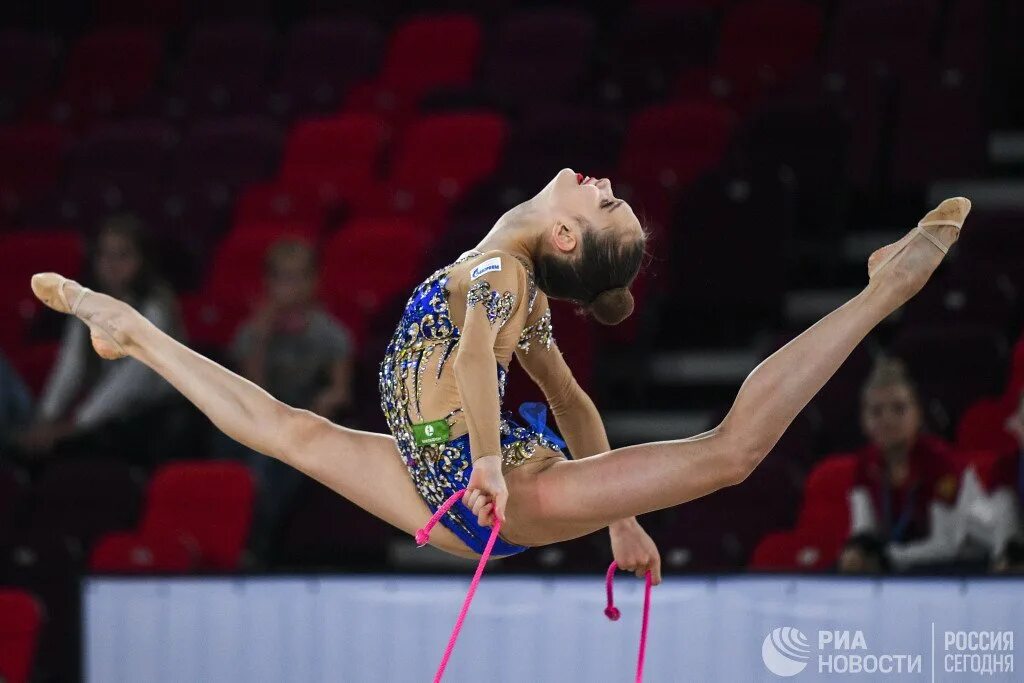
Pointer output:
x,y
423,535
612,612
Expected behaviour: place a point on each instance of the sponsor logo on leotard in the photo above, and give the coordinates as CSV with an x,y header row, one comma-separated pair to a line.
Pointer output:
x,y
488,266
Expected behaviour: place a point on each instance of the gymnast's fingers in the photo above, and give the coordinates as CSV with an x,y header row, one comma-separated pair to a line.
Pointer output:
x,y
478,503
500,501
484,517
656,571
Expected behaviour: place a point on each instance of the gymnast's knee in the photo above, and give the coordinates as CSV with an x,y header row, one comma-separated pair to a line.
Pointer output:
x,y
741,453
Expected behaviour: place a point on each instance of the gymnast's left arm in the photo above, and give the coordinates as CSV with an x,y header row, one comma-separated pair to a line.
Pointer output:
x,y
581,426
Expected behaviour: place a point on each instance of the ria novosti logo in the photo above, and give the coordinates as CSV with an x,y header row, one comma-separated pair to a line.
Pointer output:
x,y
785,651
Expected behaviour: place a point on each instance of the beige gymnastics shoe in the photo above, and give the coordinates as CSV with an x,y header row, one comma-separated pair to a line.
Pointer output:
x,y
53,289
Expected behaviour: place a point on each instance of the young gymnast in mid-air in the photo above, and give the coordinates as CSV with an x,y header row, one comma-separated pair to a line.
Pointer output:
x,y
444,373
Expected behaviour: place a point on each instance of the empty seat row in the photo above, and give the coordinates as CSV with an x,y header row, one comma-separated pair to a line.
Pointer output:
x,y
227,65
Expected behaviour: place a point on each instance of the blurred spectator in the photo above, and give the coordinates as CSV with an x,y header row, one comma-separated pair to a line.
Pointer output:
x,y
15,402
85,395
291,347
902,470
863,554
295,350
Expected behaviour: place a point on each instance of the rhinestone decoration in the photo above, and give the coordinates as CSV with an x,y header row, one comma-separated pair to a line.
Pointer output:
x,y
540,332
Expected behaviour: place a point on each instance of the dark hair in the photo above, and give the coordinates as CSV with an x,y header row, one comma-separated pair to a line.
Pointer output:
x,y
887,372
599,277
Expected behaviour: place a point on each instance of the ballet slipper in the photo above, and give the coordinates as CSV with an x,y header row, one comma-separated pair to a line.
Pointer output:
x,y
49,288
951,212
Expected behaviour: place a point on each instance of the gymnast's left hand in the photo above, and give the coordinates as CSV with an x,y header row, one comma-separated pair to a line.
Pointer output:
x,y
486,492
635,551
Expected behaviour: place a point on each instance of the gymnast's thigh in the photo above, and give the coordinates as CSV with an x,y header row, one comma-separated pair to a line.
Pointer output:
x,y
367,469
529,522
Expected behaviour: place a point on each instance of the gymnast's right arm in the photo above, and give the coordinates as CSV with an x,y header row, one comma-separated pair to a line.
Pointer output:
x,y
491,299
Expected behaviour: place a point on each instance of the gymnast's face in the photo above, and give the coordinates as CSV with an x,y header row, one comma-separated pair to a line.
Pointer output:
x,y
585,218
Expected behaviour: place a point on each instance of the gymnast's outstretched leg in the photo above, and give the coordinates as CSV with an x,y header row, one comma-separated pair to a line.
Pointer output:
x,y
573,498
361,466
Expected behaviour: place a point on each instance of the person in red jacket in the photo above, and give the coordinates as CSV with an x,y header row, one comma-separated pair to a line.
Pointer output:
x,y
902,470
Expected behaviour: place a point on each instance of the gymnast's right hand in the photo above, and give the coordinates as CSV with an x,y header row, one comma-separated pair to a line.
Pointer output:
x,y
486,490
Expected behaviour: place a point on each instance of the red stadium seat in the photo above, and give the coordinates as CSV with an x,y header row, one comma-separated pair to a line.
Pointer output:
x,y
208,503
424,54
827,486
792,551
21,617
129,553
777,551
109,72
833,477
437,160
367,263
337,156
982,426
824,519
666,148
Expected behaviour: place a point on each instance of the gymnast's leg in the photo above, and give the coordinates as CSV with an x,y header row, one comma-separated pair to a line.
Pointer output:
x,y
571,498
361,466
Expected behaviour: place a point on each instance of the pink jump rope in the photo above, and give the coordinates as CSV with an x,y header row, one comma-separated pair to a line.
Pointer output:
x,y
611,611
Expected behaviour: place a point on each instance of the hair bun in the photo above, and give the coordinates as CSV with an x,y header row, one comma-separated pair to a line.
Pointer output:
x,y
612,306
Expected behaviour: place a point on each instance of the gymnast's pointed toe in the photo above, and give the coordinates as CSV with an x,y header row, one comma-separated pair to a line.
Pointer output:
x,y
49,288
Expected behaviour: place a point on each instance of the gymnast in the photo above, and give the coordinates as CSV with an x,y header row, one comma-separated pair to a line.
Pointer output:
x,y
444,374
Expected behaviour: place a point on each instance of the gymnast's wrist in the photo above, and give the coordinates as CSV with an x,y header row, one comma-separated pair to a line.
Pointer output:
x,y
489,459
623,524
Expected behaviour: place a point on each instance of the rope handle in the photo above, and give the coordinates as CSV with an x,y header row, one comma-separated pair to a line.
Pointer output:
x,y
613,613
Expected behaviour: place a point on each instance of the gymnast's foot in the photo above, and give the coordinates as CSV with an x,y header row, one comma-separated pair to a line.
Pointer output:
x,y
110,321
907,264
